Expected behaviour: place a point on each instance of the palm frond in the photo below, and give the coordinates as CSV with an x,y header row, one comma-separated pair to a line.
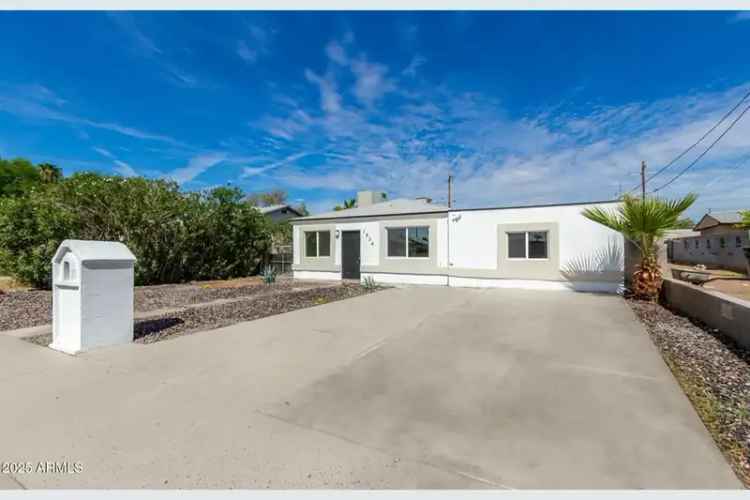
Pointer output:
x,y
642,221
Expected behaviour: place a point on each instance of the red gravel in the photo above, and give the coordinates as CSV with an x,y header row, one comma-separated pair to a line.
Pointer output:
x,y
713,370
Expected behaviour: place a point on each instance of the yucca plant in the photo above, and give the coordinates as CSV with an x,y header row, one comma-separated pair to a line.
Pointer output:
x,y
269,274
643,222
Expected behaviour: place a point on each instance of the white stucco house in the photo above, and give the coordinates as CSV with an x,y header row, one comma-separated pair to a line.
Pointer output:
x,y
414,241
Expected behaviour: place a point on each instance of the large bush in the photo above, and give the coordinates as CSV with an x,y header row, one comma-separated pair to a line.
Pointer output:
x,y
176,236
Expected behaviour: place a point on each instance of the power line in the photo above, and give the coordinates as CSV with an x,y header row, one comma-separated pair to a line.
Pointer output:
x,y
704,152
681,155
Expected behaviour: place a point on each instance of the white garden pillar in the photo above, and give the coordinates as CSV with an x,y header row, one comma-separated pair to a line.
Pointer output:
x,y
92,302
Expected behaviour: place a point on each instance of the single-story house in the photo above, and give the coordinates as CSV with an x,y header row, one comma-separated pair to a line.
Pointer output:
x,y
417,242
280,213
716,242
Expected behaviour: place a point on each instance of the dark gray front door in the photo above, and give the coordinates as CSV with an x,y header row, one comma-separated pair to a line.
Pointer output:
x,y
350,255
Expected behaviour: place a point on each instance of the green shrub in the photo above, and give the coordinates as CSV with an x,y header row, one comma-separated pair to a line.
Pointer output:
x,y
175,236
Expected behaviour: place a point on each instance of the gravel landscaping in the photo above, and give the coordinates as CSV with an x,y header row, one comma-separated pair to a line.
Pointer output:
x,y
713,371
21,309
277,299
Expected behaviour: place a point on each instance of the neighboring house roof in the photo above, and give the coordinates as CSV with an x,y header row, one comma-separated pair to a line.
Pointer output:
x,y
273,208
715,218
406,206
400,206
671,234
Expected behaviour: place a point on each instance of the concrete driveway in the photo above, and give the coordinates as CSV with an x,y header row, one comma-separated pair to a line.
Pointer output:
x,y
406,388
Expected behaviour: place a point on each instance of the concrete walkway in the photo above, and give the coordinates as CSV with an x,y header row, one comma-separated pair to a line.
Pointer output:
x,y
406,388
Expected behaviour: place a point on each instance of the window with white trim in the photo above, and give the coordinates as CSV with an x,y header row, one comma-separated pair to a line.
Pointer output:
x,y
408,242
528,245
317,243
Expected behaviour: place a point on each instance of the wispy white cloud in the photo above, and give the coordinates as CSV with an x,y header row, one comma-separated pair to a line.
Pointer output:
x,y
498,159
257,170
330,99
256,44
104,152
127,24
124,169
337,53
246,53
146,47
43,94
29,106
372,81
411,69
196,166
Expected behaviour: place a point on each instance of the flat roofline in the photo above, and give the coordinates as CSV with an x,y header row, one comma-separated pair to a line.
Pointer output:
x,y
448,210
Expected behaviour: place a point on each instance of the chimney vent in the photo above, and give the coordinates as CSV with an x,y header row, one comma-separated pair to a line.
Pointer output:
x,y
366,198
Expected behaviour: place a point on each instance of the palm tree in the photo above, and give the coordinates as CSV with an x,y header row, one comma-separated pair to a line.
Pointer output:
x,y
351,203
643,222
49,173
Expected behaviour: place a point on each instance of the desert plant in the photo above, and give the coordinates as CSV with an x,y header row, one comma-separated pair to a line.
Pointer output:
x,y
351,203
368,283
269,274
643,222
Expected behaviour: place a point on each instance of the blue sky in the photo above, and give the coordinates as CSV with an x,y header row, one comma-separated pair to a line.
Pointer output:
x,y
519,107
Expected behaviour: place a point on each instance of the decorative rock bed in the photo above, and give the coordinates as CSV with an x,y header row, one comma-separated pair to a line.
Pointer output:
x,y
268,301
713,371
24,309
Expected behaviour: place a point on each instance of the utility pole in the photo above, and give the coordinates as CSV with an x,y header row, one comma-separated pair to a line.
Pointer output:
x,y
643,181
450,191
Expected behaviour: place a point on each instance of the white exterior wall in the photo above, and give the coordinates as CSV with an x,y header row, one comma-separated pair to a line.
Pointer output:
x,y
470,249
583,247
296,244
474,242
316,275
407,279
442,243
578,286
369,241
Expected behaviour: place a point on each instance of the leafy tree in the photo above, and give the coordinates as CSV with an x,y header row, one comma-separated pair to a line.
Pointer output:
x,y
350,203
302,209
176,236
49,173
686,223
745,224
643,223
16,176
274,197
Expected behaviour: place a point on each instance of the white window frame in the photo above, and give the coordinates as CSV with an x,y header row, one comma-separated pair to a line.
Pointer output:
x,y
317,244
406,242
526,245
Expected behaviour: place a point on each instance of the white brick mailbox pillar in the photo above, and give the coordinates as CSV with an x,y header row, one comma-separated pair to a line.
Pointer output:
x,y
92,305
